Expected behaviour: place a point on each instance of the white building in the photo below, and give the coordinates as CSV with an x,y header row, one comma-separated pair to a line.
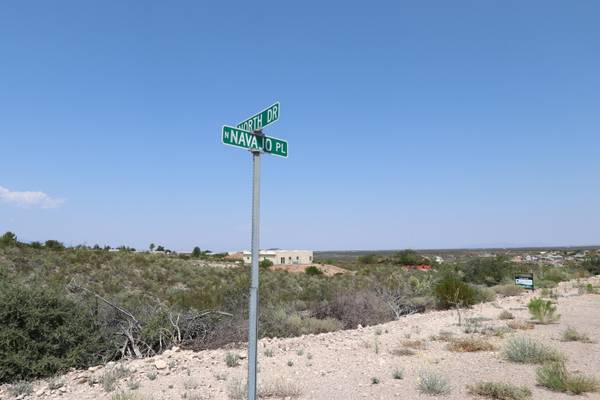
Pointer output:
x,y
282,256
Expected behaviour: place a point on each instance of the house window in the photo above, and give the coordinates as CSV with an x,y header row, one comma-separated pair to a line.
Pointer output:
x,y
282,260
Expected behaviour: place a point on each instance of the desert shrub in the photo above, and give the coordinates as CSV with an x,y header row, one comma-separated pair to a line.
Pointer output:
x,y
236,390
282,323
484,294
375,380
403,352
506,315
232,359
452,292
126,396
508,290
519,324
398,373
525,350
571,335
110,379
592,264
20,389
443,336
43,333
433,383
367,259
554,376
469,344
312,270
265,264
487,271
152,375
359,308
542,310
500,391
414,344
279,389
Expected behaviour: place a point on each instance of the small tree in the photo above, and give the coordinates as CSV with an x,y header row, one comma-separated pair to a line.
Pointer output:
x,y
196,253
451,292
265,263
160,248
54,245
152,246
8,239
312,270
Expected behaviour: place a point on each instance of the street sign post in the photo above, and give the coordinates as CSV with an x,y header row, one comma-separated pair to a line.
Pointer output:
x,y
525,281
249,140
248,135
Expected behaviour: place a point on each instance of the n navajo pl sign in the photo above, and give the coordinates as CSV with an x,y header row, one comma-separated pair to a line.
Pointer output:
x,y
261,119
248,140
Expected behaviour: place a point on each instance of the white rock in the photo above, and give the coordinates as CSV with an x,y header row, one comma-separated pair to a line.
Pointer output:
x,y
160,364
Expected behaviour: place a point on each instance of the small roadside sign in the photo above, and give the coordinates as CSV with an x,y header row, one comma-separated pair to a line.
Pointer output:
x,y
248,140
524,280
261,119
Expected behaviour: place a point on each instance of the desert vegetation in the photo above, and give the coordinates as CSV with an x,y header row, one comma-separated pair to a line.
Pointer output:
x,y
105,304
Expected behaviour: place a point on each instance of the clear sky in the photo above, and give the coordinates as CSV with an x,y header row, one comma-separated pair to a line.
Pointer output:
x,y
421,124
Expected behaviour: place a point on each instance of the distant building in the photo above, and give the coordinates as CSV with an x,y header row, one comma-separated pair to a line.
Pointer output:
x,y
282,256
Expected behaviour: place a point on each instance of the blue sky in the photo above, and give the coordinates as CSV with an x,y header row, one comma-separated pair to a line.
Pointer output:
x,y
421,124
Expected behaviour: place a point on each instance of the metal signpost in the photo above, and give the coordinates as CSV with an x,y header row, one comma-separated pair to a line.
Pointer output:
x,y
525,281
248,134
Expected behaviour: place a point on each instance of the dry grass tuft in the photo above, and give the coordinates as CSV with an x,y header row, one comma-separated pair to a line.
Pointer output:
x,y
414,344
571,335
470,344
403,352
443,336
500,391
520,325
506,315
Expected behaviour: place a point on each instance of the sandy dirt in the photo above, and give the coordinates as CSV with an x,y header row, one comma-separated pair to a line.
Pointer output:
x,y
341,365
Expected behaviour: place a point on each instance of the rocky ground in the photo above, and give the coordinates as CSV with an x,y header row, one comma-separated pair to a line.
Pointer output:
x,y
354,364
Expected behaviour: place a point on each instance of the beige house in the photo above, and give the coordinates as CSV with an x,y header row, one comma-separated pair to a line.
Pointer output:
x,y
282,256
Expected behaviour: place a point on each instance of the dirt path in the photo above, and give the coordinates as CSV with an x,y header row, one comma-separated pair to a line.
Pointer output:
x,y
342,365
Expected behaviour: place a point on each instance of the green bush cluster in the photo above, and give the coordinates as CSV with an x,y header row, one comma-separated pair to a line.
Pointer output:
x,y
452,292
42,332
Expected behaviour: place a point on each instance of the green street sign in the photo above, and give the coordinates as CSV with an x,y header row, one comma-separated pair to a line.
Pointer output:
x,y
262,119
248,140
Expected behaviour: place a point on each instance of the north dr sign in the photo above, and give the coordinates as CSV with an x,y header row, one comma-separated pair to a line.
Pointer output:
x,y
248,140
261,119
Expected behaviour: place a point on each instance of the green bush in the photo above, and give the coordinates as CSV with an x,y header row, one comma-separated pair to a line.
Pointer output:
x,y
543,310
265,263
43,333
554,376
452,292
312,270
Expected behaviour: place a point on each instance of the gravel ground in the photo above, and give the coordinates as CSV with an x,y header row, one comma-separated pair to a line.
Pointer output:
x,y
343,365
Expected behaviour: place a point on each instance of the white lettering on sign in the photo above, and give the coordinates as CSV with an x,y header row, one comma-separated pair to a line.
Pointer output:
x,y
252,125
272,114
268,144
523,281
